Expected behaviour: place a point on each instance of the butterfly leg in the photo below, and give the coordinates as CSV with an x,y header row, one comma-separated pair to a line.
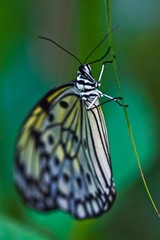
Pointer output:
x,y
95,99
102,70
100,75
110,99
115,99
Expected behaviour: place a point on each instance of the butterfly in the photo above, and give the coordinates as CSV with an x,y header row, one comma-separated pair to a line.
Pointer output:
x,y
62,153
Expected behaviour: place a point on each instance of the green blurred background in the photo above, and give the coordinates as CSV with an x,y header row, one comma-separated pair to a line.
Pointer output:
x,y
29,67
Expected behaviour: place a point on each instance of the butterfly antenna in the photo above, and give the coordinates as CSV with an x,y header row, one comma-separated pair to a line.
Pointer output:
x,y
101,58
105,37
50,40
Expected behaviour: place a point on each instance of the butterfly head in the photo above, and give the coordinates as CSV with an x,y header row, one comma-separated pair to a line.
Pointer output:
x,y
85,70
85,80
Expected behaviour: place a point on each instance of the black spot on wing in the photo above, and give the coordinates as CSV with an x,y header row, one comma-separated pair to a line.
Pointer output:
x,y
50,139
56,161
37,138
66,177
88,178
51,117
44,104
79,182
63,104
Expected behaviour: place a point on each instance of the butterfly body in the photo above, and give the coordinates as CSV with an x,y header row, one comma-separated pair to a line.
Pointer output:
x,y
62,154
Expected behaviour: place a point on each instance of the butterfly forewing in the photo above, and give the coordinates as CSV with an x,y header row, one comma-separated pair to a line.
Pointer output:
x,y
39,137
63,158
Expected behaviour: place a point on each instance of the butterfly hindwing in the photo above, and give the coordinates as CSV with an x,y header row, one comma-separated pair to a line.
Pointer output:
x,y
96,169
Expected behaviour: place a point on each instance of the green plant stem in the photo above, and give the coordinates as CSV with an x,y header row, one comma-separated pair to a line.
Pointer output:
x,y
108,10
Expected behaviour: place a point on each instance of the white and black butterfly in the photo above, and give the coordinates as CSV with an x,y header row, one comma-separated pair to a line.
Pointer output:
x,y
62,154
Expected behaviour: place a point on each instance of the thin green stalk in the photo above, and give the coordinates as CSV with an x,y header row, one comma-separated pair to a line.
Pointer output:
x,y
108,10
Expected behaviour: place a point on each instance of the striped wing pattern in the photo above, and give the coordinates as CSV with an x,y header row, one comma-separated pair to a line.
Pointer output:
x,y
63,158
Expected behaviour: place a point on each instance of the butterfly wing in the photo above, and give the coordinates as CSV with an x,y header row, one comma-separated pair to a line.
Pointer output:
x,y
94,188
99,172
62,156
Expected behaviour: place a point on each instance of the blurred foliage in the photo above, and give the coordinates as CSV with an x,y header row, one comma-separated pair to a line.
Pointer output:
x,y
30,67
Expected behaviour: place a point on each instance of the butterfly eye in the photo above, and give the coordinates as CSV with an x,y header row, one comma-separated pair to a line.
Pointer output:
x,y
85,70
